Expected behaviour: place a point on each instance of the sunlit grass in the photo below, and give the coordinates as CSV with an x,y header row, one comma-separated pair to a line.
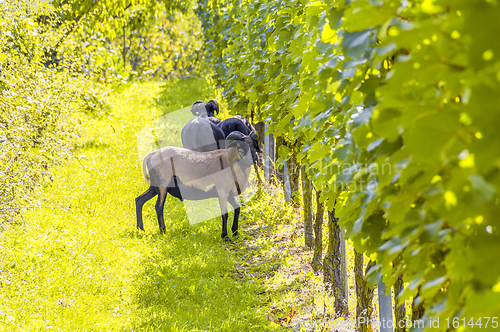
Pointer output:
x,y
78,263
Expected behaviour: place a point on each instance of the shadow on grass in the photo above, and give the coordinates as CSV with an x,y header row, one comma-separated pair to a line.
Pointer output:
x,y
187,283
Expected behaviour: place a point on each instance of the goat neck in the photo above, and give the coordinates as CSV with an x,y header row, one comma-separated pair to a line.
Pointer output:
x,y
240,165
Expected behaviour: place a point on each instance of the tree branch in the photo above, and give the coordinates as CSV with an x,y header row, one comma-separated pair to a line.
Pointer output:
x,y
75,24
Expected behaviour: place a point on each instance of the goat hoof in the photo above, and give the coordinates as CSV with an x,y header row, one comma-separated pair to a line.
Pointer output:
x,y
236,234
227,239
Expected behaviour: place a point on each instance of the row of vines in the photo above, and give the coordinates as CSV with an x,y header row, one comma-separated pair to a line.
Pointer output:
x,y
392,108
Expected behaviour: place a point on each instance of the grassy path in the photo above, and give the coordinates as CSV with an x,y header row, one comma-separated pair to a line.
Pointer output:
x,y
79,264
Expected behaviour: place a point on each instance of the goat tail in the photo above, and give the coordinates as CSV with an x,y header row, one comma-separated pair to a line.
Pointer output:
x,y
145,169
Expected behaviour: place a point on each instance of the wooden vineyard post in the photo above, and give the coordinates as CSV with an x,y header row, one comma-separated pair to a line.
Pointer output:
x,y
285,175
308,213
293,174
286,183
399,310
318,233
279,170
343,264
269,151
335,278
260,128
364,294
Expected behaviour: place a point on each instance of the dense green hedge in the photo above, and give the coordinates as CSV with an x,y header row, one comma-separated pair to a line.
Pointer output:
x,y
394,108
38,109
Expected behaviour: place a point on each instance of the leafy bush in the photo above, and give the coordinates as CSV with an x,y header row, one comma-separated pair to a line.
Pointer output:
x,y
141,40
95,98
38,107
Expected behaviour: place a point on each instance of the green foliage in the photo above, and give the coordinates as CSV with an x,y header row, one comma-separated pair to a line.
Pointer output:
x,y
393,105
115,41
170,46
37,111
177,94
49,52
95,98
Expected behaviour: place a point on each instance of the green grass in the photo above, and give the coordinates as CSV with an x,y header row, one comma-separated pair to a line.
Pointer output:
x,y
79,264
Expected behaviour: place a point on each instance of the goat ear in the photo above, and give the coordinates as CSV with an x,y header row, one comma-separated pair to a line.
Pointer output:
x,y
235,135
243,148
254,135
215,105
195,107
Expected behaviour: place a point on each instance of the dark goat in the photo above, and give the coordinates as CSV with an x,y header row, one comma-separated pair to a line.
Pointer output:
x,y
201,133
241,124
211,109
214,120
245,121
193,175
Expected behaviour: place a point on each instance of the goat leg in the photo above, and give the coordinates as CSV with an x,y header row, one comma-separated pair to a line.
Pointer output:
x,y
160,203
224,235
139,203
236,206
224,214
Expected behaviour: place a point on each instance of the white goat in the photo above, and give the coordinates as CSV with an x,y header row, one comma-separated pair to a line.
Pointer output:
x,y
221,173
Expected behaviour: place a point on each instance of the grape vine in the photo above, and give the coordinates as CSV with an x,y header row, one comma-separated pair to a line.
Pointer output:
x,y
393,106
